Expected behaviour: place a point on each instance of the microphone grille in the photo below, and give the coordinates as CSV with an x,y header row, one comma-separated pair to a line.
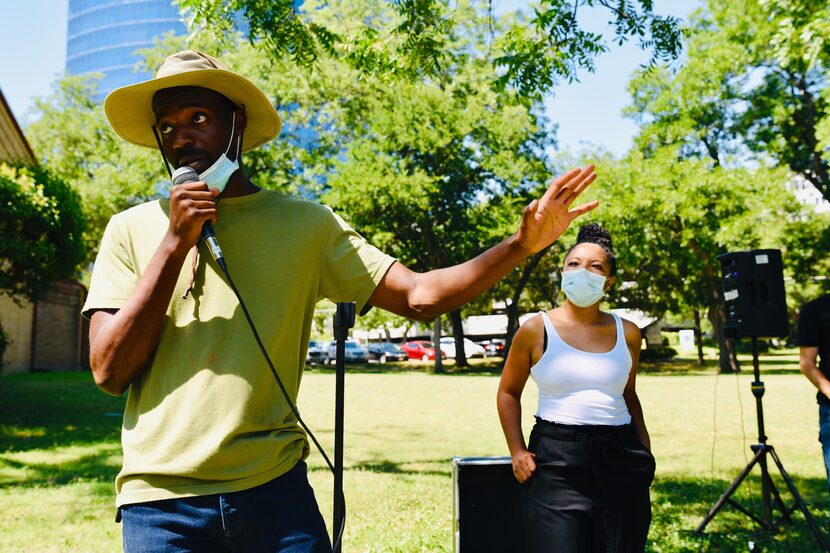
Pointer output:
x,y
185,174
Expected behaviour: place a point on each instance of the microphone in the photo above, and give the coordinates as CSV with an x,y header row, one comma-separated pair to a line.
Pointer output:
x,y
186,174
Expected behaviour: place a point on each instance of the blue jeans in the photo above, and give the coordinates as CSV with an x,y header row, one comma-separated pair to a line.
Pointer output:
x,y
281,515
824,437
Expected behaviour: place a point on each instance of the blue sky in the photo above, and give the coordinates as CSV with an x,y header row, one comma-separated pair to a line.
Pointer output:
x,y
33,54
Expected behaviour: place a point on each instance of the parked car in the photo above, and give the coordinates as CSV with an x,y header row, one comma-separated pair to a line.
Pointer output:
x,y
494,347
355,353
471,349
386,351
420,350
316,352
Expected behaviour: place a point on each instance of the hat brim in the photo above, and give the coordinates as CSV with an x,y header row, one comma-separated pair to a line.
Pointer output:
x,y
130,112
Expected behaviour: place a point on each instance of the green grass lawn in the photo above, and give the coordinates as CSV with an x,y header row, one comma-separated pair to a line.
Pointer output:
x,y
59,453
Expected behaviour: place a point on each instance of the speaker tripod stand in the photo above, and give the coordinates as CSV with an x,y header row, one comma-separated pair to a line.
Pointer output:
x,y
770,498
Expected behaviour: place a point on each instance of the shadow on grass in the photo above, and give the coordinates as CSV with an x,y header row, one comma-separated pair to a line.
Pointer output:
x,y
48,410
679,505
94,467
386,466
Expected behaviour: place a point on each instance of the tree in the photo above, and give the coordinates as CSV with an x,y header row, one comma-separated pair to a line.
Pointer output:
x,y
754,83
671,219
42,224
75,142
418,177
806,243
412,38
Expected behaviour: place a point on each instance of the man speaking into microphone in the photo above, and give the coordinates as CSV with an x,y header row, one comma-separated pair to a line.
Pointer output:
x,y
213,454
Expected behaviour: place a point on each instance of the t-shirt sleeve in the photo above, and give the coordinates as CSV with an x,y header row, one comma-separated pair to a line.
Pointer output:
x,y
350,267
113,276
808,331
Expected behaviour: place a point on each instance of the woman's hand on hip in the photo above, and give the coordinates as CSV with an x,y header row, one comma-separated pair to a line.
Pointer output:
x,y
523,465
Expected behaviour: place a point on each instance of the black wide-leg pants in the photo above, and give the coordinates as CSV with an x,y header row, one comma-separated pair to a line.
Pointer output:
x,y
590,491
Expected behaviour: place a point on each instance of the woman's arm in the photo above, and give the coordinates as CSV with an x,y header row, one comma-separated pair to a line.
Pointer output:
x,y
634,342
508,399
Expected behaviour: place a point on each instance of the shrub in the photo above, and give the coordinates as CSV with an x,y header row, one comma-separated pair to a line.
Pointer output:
x,y
656,353
42,225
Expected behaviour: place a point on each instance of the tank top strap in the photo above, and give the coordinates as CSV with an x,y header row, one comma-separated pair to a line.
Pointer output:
x,y
549,329
621,343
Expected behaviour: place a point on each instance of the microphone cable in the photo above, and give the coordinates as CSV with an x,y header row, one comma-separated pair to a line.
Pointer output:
x,y
341,496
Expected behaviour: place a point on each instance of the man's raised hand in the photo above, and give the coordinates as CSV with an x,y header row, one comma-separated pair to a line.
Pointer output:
x,y
546,219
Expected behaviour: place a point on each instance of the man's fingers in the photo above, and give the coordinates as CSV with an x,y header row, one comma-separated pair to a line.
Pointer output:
x,y
203,204
583,209
556,186
577,184
580,187
569,185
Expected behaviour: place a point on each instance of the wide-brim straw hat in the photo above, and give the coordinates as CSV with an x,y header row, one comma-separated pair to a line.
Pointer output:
x,y
130,112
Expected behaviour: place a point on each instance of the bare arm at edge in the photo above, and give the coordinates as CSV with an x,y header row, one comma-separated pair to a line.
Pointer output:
x,y
808,362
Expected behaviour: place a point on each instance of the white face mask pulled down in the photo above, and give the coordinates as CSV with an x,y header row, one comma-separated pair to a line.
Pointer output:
x,y
583,287
218,174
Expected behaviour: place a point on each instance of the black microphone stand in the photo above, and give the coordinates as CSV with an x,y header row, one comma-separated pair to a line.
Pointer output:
x,y
769,493
344,318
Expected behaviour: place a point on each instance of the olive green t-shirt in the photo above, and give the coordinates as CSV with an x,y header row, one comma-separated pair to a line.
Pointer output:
x,y
206,415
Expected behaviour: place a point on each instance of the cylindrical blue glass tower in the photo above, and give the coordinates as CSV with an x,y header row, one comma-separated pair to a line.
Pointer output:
x,y
103,35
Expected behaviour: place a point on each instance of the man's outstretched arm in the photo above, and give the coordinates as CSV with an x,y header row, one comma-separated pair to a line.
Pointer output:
x,y
424,296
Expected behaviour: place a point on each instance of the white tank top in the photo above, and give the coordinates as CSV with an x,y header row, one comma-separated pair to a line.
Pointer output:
x,y
580,387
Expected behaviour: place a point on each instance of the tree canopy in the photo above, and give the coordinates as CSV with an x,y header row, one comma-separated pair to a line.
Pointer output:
x,y
753,86
74,141
411,39
42,225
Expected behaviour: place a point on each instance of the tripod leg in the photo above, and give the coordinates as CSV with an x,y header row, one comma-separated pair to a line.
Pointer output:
x,y
728,493
800,502
779,503
766,484
773,489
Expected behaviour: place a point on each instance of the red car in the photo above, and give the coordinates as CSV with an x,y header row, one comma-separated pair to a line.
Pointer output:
x,y
420,350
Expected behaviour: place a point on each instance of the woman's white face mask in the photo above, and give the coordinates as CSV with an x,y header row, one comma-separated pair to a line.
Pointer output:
x,y
583,287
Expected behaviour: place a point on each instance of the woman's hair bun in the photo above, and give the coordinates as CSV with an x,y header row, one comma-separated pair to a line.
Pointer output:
x,y
595,234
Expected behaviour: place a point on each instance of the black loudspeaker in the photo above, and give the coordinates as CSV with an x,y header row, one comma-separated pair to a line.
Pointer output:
x,y
487,506
753,292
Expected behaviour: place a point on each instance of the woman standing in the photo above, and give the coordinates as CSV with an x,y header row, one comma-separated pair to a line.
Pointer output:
x,y
587,468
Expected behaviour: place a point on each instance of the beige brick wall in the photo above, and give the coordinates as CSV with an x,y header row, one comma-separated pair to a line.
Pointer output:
x,y
16,321
60,331
58,338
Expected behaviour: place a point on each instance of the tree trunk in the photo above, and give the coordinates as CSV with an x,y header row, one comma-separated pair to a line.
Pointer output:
x,y
699,339
436,340
727,359
458,334
513,305
512,326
